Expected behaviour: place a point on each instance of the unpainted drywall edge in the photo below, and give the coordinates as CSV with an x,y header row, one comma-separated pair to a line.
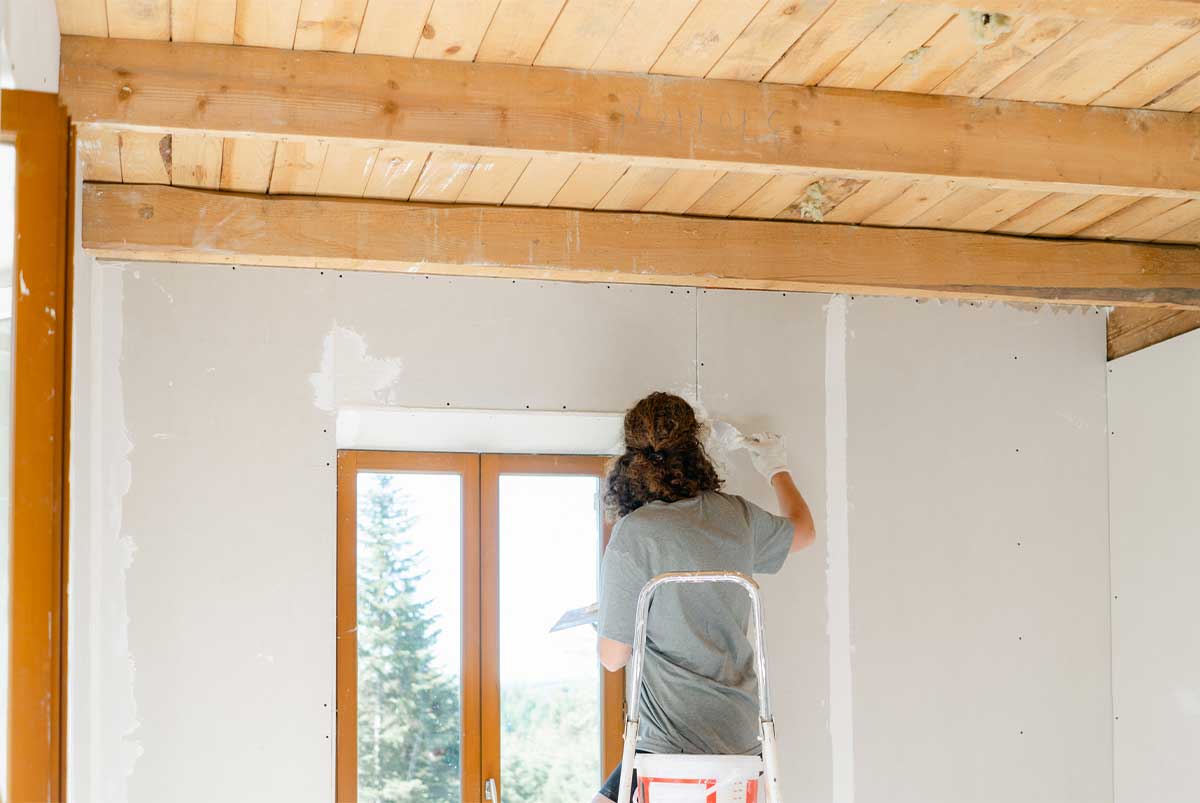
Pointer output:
x,y
102,713
837,551
485,431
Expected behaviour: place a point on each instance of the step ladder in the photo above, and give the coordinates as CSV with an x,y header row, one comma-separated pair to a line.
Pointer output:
x,y
770,757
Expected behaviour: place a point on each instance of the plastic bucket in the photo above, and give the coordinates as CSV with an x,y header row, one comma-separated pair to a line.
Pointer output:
x,y
665,778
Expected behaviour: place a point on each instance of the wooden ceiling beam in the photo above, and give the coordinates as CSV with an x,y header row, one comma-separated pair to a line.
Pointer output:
x,y
643,120
1182,13
153,222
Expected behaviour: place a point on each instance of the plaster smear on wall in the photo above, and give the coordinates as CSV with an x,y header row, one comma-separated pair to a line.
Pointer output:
x,y
837,570
104,736
362,376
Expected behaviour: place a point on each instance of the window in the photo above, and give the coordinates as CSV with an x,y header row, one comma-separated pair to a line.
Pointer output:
x,y
452,568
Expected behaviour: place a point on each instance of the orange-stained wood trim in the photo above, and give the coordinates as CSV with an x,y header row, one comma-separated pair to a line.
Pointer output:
x,y
613,684
39,128
350,464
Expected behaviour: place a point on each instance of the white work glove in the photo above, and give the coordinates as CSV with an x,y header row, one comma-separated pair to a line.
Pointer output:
x,y
767,453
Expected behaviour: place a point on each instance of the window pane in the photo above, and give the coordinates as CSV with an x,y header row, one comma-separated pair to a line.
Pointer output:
x,y
409,637
549,682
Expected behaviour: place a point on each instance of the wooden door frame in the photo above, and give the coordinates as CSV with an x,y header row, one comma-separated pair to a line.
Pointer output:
x,y
480,632
39,128
612,710
349,464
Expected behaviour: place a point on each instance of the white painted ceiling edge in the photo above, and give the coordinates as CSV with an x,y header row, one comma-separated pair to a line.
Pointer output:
x,y
412,429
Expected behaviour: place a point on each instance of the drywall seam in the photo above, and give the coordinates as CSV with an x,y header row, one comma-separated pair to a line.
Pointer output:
x,y
837,514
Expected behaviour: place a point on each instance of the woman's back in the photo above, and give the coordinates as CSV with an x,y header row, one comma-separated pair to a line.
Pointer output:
x,y
699,691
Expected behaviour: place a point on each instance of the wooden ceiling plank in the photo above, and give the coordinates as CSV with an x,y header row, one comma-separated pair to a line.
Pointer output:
x,y
655,121
1087,62
1131,329
1183,98
1156,79
820,198
298,167
683,189
444,176
329,25
266,23
1184,234
1135,214
768,36
642,35
492,179
1183,14
82,17
395,172
347,169
710,30
728,193
872,197
455,28
518,30
392,27
99,152
246,164
541,181
1049,209
581,32
1167,222
139,19
196,160
203,226
898,38
954,207
946,51
828,41
588,184
998,209
203,21
996,62
922,196
1087,214
774,196
635,189
145,157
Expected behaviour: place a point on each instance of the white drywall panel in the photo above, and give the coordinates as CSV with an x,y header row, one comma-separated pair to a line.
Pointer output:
x,y
508,345
29,45
231,510
762,359
978,553
1154,449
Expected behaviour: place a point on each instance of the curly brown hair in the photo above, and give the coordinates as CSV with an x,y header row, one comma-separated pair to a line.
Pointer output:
x,y
664,457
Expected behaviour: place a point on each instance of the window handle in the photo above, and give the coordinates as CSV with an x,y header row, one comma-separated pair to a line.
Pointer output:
x,y
489,791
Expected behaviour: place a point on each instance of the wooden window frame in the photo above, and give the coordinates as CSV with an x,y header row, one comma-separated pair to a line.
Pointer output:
x,y
39,128
480,625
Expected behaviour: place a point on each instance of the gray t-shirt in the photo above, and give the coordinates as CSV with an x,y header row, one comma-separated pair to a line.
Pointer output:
x,y
699,691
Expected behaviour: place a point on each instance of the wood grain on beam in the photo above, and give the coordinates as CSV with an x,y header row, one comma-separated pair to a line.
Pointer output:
x,y
1183,13
1131,329
151,222
649,121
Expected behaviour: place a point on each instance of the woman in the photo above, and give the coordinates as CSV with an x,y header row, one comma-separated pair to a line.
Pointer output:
x,y
699,692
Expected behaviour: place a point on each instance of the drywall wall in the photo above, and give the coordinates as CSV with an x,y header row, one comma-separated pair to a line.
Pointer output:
x,y
29,45
207,402
978,553
1153,399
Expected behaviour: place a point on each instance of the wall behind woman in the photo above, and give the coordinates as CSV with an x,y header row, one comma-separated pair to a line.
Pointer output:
x,y
203,510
